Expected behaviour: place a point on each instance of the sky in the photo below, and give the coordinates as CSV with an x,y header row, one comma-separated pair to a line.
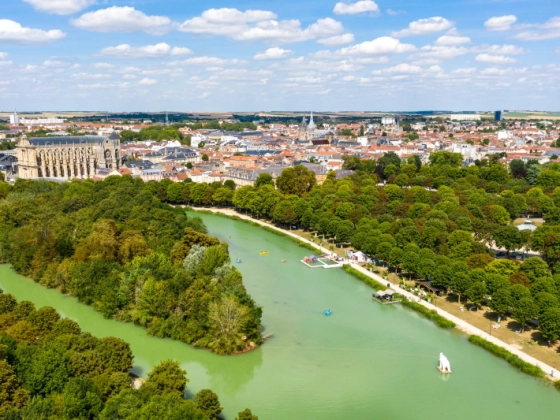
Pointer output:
x,y
290,55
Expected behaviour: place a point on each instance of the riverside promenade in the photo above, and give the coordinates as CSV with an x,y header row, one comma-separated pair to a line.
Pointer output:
x,y
461,324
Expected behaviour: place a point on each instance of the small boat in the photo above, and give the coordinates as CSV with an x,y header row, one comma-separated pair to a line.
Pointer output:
x,y
444,366
238,261
263,253
328,312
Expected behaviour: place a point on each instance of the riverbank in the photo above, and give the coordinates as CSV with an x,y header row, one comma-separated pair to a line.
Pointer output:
x,y
459,323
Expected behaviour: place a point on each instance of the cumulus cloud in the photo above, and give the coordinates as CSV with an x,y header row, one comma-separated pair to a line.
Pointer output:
x,y
273,54
379,46
452,37
147,82
498,49
253,25
436,54
425,27
207,61
548,30
123,19
494,59
361,6
11,31
60,7
337,40
500,23
149,51
403,68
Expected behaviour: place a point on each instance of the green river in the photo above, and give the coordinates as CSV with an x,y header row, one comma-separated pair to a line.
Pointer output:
x,y
364,361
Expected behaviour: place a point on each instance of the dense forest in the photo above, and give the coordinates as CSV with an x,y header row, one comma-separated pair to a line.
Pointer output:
x,y
436,221
49,369
114,245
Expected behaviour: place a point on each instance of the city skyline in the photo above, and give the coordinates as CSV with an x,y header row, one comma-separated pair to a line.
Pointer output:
x,y
250,56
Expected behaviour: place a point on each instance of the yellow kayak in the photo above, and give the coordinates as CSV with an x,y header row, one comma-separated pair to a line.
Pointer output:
x,y
263,253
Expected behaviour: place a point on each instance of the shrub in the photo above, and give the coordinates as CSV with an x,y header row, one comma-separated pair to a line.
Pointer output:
x,y
511,358
363,278
431,314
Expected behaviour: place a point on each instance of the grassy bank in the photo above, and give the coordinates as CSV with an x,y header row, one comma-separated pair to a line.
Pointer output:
x,y
511,358
363,278
431,314
267,228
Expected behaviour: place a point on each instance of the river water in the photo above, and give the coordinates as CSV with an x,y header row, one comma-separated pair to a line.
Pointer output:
x,y
364,361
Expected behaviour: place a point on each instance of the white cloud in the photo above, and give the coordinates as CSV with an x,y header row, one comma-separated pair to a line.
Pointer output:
x,y
425,27
337,40
494,59
498,49
273,54
149,51
435,54
494,71
403,68
548,30
11,31
261,25
147,82
392,12
207,61
361,6
123,19
500,23
60,7
452,37
379,46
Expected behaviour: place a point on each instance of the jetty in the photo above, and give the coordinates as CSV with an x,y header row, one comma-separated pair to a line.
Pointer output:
x,y
386,297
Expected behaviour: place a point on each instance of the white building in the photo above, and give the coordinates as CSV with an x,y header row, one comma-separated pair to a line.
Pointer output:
x,y
388,120
41,121
14,118
464,117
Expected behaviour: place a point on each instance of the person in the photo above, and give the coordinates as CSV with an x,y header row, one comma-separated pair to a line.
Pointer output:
x,y
552,373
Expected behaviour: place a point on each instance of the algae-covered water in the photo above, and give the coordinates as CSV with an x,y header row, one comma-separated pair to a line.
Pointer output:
x,y
364,361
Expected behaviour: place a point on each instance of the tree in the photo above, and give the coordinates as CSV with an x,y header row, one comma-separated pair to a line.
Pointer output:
x,y
116,354
207,402
246,415
264,178
460,284
508,237
501,301
227,319
11,395
205,158
297,180
82,399
165,378
525,310
477,293
534,268
549,324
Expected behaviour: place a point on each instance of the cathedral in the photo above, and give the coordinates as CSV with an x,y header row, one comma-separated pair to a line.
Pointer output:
x,y
67,157
307,129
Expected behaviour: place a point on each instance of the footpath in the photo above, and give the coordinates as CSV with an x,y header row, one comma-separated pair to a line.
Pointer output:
x,y
461,324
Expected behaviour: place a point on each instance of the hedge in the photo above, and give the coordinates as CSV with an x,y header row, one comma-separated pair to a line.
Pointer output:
x,y
431,314
511,358
363,278
557,385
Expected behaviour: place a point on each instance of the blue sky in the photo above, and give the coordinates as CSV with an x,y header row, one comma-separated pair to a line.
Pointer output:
x,y
215,55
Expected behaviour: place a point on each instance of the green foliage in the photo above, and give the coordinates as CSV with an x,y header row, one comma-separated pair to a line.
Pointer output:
x,y
512,359
165,378
116,247
207,402
432,315
248,415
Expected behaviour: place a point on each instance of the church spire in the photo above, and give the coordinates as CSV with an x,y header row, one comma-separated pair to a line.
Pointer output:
x,y
311,125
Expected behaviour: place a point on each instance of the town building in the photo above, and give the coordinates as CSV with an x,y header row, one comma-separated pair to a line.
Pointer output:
x,y
67,157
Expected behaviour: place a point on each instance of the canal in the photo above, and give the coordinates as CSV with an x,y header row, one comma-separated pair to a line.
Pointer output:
x,y
364,361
